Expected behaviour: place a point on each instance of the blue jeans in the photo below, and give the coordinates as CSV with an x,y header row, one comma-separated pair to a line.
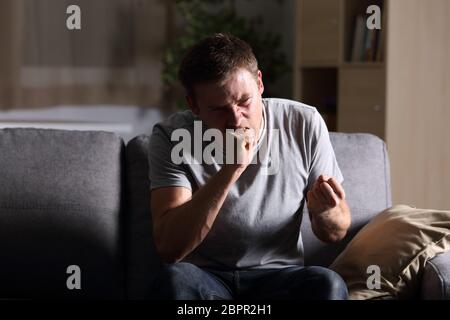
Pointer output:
x,y
185,281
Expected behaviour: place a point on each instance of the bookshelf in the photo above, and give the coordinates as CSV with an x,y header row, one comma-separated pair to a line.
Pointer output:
x,y
344,80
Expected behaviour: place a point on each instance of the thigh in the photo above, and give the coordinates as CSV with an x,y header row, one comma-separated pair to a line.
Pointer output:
x,y
309,283
185,281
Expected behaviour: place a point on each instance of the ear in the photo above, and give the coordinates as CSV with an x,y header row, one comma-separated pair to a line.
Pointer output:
x,y
260,83
192,105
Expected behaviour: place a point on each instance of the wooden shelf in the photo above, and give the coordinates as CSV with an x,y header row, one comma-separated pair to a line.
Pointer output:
x,y
363,65
349,95
404,99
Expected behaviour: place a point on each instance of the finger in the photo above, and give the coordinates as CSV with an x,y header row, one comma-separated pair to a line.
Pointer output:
x,y
309,196
245,132
318,194
329,195
250,142
312,199
249,132
240,139
245,135
316,186
318,181
337,187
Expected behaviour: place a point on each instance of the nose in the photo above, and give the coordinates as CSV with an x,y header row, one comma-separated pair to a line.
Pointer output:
x,y
234,118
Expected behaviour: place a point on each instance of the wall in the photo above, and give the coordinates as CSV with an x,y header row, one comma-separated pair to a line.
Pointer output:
x,y
278,17
418,100
10,42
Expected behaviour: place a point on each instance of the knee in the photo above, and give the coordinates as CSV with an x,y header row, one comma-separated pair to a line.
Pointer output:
x,y
331,284
180,272
174,279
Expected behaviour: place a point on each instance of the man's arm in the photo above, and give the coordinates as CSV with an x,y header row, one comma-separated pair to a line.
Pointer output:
x,y
181,220
328,210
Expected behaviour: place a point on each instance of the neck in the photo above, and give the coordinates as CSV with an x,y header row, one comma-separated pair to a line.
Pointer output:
x,y
262,122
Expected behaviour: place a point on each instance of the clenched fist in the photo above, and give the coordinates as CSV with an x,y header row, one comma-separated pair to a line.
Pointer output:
x,y
328,210
245,141
326,193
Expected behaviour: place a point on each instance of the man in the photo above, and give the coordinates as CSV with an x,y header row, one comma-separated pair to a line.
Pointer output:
x,y
231,229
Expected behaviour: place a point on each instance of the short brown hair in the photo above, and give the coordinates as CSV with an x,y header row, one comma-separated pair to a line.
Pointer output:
x,y
214,58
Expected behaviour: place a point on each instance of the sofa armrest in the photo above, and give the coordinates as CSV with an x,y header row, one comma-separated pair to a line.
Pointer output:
x,y
436,278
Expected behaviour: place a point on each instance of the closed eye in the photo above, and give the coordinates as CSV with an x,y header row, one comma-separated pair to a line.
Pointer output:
x,y
244,102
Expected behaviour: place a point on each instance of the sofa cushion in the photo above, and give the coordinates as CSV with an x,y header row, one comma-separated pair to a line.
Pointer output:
x,y
142,260
396,244
364,163
60,205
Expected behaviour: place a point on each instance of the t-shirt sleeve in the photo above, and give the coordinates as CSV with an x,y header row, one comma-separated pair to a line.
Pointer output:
x,y
162,171
323,159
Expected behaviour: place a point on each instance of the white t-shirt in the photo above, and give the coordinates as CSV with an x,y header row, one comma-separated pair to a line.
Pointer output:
x,y
258,225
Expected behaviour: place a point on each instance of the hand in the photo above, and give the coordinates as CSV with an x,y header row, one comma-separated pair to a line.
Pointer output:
x,y
245,141
326,194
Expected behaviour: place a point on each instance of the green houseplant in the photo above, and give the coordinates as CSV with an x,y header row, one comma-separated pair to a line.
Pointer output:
x,y
203,18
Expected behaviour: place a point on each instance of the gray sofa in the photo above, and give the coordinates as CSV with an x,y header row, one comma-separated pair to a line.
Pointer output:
x,y
82,198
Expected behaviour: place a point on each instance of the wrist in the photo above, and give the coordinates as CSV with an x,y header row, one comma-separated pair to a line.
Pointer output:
x,y
232,171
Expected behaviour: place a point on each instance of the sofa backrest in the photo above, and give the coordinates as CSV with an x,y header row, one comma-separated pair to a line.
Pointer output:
x,y
61,201
142,260
364,163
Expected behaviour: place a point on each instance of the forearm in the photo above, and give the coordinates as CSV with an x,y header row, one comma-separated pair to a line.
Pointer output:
x,y
182,229
331,225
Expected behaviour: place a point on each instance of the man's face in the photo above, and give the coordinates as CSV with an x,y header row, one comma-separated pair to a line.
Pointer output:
x,y
233,104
